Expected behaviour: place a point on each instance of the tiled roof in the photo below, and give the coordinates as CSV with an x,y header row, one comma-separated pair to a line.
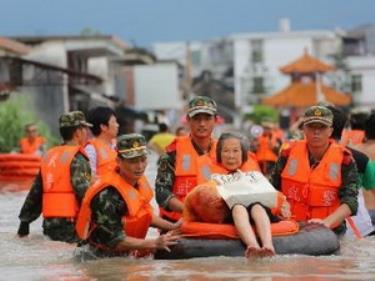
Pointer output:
x,y
13,46
306,64
300,94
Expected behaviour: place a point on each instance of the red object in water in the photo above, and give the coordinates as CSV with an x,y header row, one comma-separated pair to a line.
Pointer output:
x,y
17,171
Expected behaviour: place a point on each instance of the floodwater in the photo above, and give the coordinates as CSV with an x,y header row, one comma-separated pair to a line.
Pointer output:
x,y
37,258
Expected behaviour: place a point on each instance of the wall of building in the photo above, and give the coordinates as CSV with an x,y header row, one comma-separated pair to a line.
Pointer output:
x,y
156,87
365,67
47,89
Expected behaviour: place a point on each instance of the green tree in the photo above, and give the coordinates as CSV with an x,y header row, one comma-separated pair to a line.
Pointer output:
x,y
15,113
262,113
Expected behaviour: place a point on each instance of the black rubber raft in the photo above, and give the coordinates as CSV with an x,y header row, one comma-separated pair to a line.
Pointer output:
x,y
312,239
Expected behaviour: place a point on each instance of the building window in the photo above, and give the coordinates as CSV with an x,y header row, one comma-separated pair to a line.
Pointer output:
x,y
196,58
257,51
356,83
258,85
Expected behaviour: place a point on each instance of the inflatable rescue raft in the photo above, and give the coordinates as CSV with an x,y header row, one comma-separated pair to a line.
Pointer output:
x,y
17,171
289,237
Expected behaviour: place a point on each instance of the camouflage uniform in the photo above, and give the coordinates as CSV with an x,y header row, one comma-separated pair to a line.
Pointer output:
x,y
108,206
348,191
60,229
166,164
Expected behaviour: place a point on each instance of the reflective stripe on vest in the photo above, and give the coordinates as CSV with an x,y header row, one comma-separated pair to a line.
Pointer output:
x,y
312,193
59,199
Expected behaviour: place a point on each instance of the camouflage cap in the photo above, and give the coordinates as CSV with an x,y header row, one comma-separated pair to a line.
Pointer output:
x,y
73,119
318,114
131,146
202,104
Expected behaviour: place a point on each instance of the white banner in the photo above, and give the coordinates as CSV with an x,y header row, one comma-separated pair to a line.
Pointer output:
x,y
246,188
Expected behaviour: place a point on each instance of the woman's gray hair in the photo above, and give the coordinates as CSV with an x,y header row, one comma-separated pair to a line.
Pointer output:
x,y
244,142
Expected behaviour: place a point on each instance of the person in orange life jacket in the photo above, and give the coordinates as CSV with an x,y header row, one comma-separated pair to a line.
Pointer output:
x,y
268,145
232,155
366,171
101,149
177,169
32,143
116,211
356,134
61,184
317,175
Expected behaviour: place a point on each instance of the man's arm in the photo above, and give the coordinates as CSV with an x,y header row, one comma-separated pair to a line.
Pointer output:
x,y
80,172
348,193
108,208
276,173
91,154
164,182
32,207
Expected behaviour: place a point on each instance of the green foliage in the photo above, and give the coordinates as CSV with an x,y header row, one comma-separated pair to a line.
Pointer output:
x,y
15,113
262,113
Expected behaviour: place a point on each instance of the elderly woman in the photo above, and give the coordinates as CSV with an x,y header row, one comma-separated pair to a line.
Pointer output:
x,y
205,204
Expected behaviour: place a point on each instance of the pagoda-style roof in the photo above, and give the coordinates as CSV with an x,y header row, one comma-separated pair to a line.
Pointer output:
x,y
300,94
306,64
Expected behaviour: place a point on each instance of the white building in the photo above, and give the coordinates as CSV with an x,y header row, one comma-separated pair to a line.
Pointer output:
x,y
62,73
255,59
258,57
362,78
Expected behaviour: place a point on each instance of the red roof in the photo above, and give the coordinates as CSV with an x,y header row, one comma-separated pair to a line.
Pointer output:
x,y
306,64
13,46
300,94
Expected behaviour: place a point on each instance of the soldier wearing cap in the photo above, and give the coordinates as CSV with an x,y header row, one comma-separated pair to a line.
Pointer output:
x,y
317,175
61,183
116,212
178,168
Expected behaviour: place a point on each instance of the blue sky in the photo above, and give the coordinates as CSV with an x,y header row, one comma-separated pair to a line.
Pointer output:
x,y
143,22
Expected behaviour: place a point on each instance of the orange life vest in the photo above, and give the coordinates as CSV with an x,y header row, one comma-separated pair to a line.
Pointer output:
x,y
59,199
229,231
312,193
28,147
352,137
186,171
264,151
105,157
207,167
139,211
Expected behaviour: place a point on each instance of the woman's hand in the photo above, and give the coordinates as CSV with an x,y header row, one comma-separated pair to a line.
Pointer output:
x,y
285,210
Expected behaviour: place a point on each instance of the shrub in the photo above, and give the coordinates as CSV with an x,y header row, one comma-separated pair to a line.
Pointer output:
x,y
15,113
262,113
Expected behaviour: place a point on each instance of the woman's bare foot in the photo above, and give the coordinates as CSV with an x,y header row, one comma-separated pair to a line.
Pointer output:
x,y
268,251
253,252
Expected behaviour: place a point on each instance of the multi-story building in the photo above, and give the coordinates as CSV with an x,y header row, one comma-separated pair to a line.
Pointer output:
x,y
358,58
249,63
